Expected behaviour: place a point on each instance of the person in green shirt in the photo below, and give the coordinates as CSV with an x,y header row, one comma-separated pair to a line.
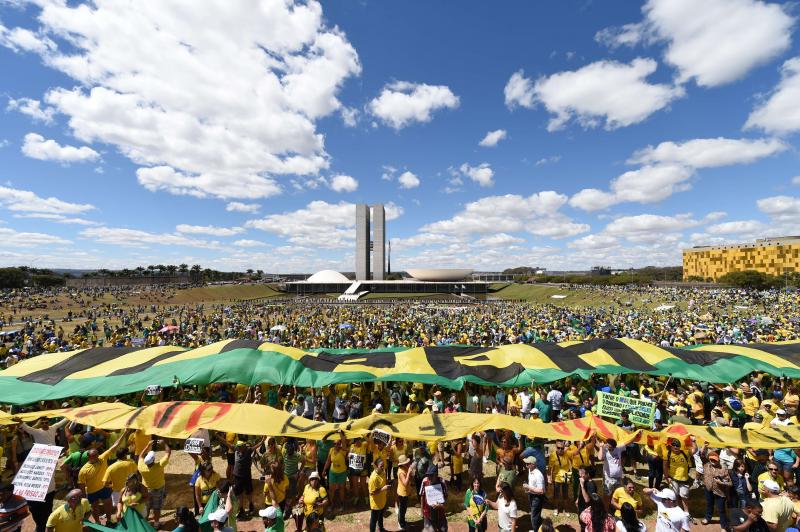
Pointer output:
x,y
272,517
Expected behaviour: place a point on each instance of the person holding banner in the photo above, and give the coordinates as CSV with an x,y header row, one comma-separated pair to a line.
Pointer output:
x,y
91,480
153,478
357,469
432,498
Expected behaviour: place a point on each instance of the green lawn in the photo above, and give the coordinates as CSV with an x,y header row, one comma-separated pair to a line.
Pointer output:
x,y
576,297
224,293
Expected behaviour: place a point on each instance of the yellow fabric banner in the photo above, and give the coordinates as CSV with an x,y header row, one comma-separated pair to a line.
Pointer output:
x,y
180,419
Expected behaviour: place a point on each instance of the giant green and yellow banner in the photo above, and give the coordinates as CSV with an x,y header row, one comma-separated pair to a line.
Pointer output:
x,y
112,371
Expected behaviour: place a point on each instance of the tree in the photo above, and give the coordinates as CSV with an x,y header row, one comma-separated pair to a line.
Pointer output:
x,y
750,279
12,278
183,268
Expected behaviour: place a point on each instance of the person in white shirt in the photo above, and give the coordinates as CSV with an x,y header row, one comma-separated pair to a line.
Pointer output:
x,y
535,488
555,398
781,419
611,456
526,402
45,433
506,508
669,516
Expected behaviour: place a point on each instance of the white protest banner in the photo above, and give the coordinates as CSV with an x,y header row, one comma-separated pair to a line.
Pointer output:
x,y
33,478
380,436
640,411
434,494
138,342
153,389
193,445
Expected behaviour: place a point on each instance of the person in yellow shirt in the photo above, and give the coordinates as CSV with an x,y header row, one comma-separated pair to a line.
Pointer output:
x,y
205,485
336,470
117,474
134,495
91,480
275,486
582,456
377,487
404,478
357,466
315,499
69,516
559,467
749,400
153,478
677,462
626,493
772,473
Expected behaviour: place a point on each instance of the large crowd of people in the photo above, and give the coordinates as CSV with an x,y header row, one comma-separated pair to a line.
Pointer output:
x,y
490,479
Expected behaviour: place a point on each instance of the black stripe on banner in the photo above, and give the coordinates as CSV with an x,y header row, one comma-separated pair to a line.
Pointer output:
x,y
241,344
324,361
788,352
77,363
701,358
567,358
130,370
446,362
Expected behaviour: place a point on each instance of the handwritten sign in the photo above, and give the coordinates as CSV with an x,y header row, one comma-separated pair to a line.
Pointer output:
x,y
434,494
138,342
33,479
153,389
356,461
640,411
193,445
380,436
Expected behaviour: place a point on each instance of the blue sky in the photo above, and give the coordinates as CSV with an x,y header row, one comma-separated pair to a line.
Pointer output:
x,y
240,135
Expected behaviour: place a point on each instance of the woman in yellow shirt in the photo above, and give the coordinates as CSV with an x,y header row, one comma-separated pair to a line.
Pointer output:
x,y
275,486
134,495
315,499
457,463
308,464
336,470
357,469
403,488
205,485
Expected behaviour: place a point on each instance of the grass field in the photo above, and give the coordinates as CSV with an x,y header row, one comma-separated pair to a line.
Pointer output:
x,y
576,297
224,293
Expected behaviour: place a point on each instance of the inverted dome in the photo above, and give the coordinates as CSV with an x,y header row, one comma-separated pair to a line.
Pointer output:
x,y
328,276
439,274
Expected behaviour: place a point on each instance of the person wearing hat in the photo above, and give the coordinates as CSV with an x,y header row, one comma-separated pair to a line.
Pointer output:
x,y
535,488
717,482
413,406
314,499
377,488
432,497
218,520
404,476
69,516
13,509
669,516
272,519
778,508
153,478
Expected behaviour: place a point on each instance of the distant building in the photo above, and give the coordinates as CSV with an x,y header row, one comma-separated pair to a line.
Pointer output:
x,y
773,256
362,242
370,242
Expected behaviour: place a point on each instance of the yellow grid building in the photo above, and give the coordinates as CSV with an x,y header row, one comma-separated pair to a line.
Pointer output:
x,y
774,256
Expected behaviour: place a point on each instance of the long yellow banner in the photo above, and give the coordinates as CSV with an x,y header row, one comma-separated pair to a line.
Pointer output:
x,y
180,419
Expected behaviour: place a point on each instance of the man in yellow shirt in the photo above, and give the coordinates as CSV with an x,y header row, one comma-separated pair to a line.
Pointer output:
x,y
626,493
69,516
91,479
559,467
117,474
377,487
676,466
749,401
153,478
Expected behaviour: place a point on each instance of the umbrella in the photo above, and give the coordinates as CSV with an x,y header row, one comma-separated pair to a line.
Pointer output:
x,y
168,328
346,326
766,320
278,328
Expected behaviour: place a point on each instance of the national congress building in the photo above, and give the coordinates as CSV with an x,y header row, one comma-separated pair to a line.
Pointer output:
x,y
774,256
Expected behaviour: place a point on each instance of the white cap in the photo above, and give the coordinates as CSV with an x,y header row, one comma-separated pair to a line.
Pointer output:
x,y
666,494
220,516
534,410
781,412
378,406
771,485
313,474
269,512
150,458
634,393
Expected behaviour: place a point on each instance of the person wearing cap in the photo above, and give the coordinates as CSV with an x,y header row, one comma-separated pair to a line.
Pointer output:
x,y
91,480
219,520
153,478
378,489
13,509
535,488
778,508
717,482
314,499
272,518
669,516
69,516
404,477
433,512
677,462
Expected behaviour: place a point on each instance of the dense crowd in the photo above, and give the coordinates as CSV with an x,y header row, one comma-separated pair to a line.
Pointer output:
x,y
681,317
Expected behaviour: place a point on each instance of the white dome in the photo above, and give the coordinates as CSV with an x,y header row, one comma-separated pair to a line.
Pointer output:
x,y
328,276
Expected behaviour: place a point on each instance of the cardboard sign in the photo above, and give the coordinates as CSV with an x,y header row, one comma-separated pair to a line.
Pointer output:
x,y
434,494
33,479
641,411
138,342
356,461
193,445
153,389
379,436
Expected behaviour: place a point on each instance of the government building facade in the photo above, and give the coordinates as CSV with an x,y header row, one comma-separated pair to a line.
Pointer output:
x,y
774,256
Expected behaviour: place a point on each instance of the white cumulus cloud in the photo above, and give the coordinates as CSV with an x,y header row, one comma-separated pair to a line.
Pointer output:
x,y
238,206
32,108
402,103
481,174
408,180
208,230
18,200
605,93
709,153
37,147
492,138
343,183
780,113
224,95
519,91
